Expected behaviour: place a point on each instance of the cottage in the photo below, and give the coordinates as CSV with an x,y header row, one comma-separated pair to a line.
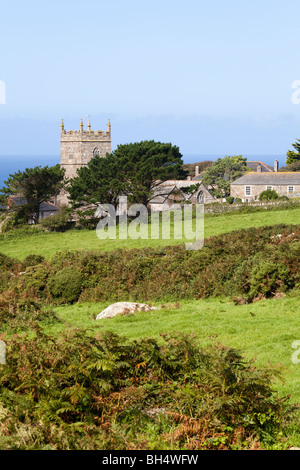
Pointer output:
x,y
251,185
261,167
46,208
172,192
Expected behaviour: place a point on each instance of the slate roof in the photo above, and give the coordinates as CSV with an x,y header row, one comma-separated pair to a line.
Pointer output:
x,y
252,165
199,176
44,206
163,191
269,178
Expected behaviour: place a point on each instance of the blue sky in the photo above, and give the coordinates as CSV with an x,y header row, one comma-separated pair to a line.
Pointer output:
x,y
211,77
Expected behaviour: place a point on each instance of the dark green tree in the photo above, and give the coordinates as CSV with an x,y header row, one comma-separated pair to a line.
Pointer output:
x,y
294,156
224,170
99,181
31,188
142,166
134,170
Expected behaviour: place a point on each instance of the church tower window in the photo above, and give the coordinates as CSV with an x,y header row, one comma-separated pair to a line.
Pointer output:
x,y
95,151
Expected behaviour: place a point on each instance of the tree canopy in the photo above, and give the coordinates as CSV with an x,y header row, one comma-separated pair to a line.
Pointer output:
x,y
294,156
133,169
97,182
224,170
291,167
33,186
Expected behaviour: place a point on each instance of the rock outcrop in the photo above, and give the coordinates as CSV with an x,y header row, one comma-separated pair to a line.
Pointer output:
x,y
123,308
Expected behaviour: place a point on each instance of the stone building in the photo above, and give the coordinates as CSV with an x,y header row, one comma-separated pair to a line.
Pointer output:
x,y
78,147
261,167
172,192
250,186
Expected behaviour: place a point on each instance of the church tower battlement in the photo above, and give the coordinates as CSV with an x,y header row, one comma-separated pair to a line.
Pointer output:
x,y
78,147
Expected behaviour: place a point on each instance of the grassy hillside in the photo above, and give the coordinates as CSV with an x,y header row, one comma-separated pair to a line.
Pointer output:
x,y
19,245
92,389
264,331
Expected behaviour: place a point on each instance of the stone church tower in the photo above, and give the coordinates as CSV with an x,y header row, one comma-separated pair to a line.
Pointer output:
x,y
77,148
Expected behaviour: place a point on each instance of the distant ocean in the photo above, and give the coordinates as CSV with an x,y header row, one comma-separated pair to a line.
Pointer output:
x,y
12,164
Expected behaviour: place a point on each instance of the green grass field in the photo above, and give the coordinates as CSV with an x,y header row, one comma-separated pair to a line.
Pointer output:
x,y
264,331
47,243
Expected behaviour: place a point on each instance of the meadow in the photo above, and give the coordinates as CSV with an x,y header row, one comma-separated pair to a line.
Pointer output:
x,y
264,331
18,244
263,328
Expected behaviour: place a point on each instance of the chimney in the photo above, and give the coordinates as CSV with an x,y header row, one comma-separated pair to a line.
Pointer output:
x,y
196,170
276,165
258,169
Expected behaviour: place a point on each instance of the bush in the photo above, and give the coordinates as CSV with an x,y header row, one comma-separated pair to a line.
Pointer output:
x,y
7,263
269,278
291,167
230,199
224,266
65,285
58,222
19,314
32,260
8,268
78,392
268,195
31,284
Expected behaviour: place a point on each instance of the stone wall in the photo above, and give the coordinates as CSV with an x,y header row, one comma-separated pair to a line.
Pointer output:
x,y
221,208
239,191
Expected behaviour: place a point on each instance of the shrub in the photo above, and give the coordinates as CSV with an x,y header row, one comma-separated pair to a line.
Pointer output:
x,y
7,263
19,314
58,222
32,282
107,393
65,285
230,199
268,195
15,219
224,266
268,278
8,268
32,260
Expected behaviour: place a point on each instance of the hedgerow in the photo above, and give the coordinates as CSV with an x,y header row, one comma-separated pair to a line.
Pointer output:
x,y
246,263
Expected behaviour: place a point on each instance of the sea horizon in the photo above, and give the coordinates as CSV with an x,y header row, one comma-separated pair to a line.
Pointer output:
x,y
10,164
